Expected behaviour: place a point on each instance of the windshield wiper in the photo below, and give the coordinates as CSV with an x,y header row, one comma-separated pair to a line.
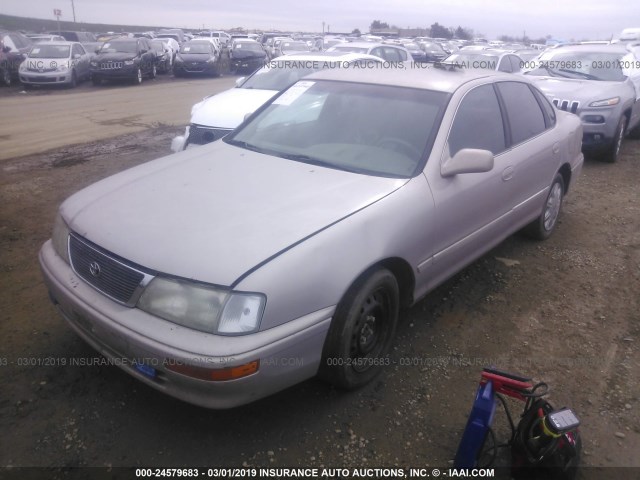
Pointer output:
x,y
588,76
248,146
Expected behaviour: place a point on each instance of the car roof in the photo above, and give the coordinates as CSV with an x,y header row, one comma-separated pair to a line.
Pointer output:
x,y
57,43
327,56
593,48
438,79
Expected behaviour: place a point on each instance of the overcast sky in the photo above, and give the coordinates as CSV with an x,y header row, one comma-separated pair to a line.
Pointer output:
x,y
568,19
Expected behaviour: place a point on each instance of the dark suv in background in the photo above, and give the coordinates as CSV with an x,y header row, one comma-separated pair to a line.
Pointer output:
x,y
14,47
124,58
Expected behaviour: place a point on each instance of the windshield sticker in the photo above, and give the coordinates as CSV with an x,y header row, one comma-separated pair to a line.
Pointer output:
x,y
186,49
238,45
35,50
288,97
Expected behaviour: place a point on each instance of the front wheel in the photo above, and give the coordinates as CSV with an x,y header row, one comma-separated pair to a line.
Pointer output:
x,y
613,153
362,331
543,226
6,77
137,79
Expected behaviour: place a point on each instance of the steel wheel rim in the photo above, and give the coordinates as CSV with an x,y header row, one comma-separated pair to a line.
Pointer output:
x,y
552,208
620,138
370,331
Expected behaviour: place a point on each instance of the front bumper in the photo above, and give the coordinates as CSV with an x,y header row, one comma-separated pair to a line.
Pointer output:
x,y
195,68
127,71
45,78
247,63
288,354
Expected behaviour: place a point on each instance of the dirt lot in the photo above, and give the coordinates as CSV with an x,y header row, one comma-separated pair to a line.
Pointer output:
x,y
565,311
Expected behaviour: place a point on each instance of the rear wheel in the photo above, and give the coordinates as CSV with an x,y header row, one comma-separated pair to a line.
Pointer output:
x,y
74,80
543,226
362,331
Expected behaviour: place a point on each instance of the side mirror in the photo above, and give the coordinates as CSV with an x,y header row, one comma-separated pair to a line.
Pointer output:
x,y
240,81
143,50
467,160
76,56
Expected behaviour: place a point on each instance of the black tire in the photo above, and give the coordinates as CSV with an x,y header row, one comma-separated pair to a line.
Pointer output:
x,y
6,77
543,226
137,79
74,80
613,152
635,132
96,81
362,331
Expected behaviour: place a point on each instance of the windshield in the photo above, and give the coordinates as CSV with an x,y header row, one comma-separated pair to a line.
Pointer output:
x,y
248,46
295,46
50,51
120,47
483,61
196,47
371,129
350,48
280,74
602,66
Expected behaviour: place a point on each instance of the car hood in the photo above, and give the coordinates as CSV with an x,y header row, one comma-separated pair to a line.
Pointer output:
x,y
215,212
195,57
117,56
576,89
228,109
45,63
239,53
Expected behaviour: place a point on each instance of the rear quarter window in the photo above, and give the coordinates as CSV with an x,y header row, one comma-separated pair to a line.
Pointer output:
x,y
526,119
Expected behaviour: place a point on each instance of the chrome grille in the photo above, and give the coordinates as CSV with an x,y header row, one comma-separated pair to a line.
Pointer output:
x,y
103,272
201,135
566,105
111,65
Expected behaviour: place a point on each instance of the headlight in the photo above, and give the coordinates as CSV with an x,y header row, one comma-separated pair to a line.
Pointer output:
x,y
60,238
128,62
94,64
178,59
203,307
605,103
62,68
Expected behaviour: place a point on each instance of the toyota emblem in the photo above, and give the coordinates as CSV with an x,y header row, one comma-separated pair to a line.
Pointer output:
x,y
94,269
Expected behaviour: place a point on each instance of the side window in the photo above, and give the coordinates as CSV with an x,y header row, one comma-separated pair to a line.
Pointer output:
x,y
378,52
550,112
525,116
504,65
403,55
8,42
392,55
478,123
516,63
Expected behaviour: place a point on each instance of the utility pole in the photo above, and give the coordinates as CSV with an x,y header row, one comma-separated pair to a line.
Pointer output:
x,y
323,28
73,8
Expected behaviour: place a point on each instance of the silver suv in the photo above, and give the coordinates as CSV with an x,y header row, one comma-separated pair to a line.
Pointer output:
x,y
600,84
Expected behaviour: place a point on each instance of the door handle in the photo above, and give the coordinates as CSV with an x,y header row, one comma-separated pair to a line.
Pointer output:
x,y
507,173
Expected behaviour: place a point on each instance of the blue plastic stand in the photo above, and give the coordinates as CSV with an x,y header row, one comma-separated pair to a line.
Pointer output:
x,y
475,433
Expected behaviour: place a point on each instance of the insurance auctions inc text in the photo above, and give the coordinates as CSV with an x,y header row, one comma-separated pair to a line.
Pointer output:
x,y
328,473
